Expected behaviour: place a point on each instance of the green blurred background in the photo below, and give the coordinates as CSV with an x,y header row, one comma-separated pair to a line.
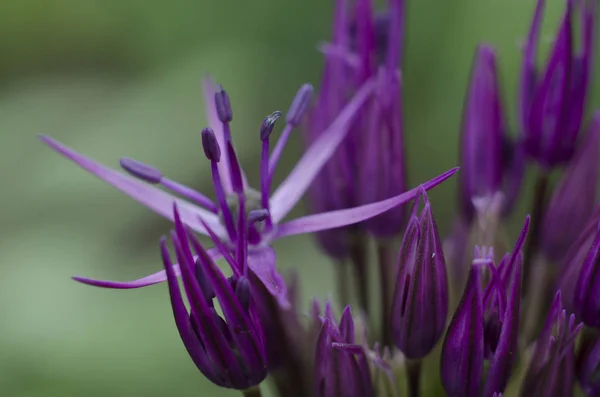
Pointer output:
x,y
122,77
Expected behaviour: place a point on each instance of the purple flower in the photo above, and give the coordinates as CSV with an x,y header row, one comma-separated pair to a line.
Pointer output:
x,y
485,326
492,163
551,370
341,366
552,103
230,350
234,195
587,292
420,303
588,365
563,220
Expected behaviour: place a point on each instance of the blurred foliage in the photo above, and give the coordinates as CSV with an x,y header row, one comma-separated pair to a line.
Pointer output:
x,y
114,78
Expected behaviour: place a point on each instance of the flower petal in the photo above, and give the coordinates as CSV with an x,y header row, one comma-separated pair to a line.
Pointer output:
x,y
293,187
150,196
262,263
154,278
349,216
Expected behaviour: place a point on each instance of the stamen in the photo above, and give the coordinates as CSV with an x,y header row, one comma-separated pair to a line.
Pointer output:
x,y
152,175
265,177
241,249
225,114
292,119
213,153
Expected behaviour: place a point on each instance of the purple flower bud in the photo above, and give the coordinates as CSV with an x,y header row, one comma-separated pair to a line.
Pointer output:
x,y
552,102
141,170
228,350
210,145
551,369
587,293
485,326
341,367
588,365
420,302
299,105
223,106
563,221
482,134
268,124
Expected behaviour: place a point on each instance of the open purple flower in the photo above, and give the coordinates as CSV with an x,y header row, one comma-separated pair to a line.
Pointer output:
x,y
229,350
234,195
552,103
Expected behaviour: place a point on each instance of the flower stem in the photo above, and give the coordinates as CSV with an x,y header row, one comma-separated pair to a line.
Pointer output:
x,y
252,392
413,376
385,259
537,213
358,255
342,281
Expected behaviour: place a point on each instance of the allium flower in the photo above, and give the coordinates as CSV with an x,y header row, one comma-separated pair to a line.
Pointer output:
x,y
587,292
588,365
420,303
230,350
551,370
232,191
563,221
341,366
552,103
485,326
492,162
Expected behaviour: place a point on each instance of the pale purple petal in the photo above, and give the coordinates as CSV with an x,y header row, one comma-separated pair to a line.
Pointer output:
x,y
157,200
349,216
262,263
154,278
216,125
293,187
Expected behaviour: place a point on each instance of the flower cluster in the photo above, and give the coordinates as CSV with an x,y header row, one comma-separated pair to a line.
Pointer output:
x,y
514,317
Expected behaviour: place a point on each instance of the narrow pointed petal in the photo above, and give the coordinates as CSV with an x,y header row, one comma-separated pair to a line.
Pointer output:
x,y
148,195
262,263
587,294
214,123
293,187
463,348
339,218
154,278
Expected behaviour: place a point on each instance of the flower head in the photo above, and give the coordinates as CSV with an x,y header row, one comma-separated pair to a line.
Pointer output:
x,y
341,366
551,371
552,102
233,195
420,303
485,326
230,350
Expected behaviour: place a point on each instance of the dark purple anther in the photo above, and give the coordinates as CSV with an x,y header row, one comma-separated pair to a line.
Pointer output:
x,y
210,145
242,292
258,215
268,124
141,170
223,106
299,105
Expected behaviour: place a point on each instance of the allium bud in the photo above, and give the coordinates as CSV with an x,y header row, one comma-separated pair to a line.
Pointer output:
x,y
563,220
551,370
420,302
552,102
341,367
485,326
588,365
587,293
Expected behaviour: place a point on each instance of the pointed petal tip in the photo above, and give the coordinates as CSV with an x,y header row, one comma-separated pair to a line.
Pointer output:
x,y
144,282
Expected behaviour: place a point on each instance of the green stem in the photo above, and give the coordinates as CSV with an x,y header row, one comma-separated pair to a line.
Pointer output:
x,y
386,272
413,376
537,213
358,255
252,392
